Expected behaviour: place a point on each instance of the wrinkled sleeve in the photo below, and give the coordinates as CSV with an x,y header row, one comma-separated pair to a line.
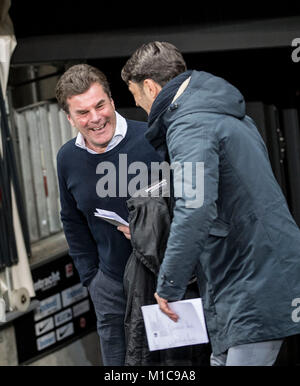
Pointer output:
x,y
194,155
82,246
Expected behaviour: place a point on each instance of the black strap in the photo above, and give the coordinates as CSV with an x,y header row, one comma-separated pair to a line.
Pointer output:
x,y
8,175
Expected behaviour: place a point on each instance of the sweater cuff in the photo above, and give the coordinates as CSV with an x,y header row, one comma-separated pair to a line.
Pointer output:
x,y
87,266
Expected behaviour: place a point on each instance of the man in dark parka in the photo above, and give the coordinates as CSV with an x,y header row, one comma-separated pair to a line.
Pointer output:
x,y
238,231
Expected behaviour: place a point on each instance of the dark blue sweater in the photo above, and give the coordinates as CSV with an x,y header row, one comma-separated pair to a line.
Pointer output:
x,y
92,241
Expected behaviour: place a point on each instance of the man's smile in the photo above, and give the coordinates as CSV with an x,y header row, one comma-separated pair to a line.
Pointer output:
x,y
98,128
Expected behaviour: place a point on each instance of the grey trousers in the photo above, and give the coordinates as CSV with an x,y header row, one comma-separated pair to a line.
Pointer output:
x,y
109,302
252,354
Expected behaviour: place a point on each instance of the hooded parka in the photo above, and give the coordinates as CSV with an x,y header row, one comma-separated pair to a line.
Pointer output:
x,y
239,232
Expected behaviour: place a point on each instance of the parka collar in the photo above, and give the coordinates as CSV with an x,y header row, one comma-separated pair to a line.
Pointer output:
x,y
166,96
156,132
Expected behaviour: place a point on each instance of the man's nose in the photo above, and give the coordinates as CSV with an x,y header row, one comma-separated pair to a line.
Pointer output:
x,y
95,115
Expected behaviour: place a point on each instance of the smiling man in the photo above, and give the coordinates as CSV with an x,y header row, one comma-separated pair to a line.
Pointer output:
x,y
100,252
93,114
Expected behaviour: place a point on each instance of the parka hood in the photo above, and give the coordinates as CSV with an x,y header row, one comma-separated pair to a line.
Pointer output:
x,y
210,93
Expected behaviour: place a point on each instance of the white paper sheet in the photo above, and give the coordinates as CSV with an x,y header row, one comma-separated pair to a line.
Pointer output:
x,y
163,333
111,217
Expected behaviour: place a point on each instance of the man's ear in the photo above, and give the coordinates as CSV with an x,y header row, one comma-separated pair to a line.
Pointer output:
x,y
70,120
151,88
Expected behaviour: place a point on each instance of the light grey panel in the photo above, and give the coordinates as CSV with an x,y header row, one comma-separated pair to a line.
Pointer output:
x,y
26,171
49,171
38,172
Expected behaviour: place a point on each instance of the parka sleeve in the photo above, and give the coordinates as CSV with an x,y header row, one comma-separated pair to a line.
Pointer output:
x,y
194,156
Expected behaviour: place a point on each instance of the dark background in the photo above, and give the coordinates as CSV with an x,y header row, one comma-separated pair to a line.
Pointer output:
x,y
36,17
264,74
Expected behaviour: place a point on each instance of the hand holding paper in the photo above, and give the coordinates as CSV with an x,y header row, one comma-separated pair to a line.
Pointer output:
x,y
111,217
163,333
163,305
125,229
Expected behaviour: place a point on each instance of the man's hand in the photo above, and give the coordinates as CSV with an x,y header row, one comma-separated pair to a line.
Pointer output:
x,y
125,229
163,305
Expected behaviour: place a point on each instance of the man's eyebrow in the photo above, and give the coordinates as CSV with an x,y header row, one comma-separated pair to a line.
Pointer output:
x,y
81,111
100,102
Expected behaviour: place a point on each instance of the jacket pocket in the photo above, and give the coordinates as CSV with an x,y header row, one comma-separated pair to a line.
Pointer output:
x,y
219,228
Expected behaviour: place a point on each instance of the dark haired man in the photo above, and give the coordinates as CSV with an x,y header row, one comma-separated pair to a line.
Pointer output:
x,y
98,249
240,237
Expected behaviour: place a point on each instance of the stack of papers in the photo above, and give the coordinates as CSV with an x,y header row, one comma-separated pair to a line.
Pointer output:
x,y
111,217
163,333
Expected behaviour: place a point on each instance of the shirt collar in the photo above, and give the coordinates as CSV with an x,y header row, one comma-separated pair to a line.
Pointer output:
x,y
120,133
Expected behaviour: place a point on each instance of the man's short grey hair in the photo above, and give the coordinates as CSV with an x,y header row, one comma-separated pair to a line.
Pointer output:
x,y
159,61
77,80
